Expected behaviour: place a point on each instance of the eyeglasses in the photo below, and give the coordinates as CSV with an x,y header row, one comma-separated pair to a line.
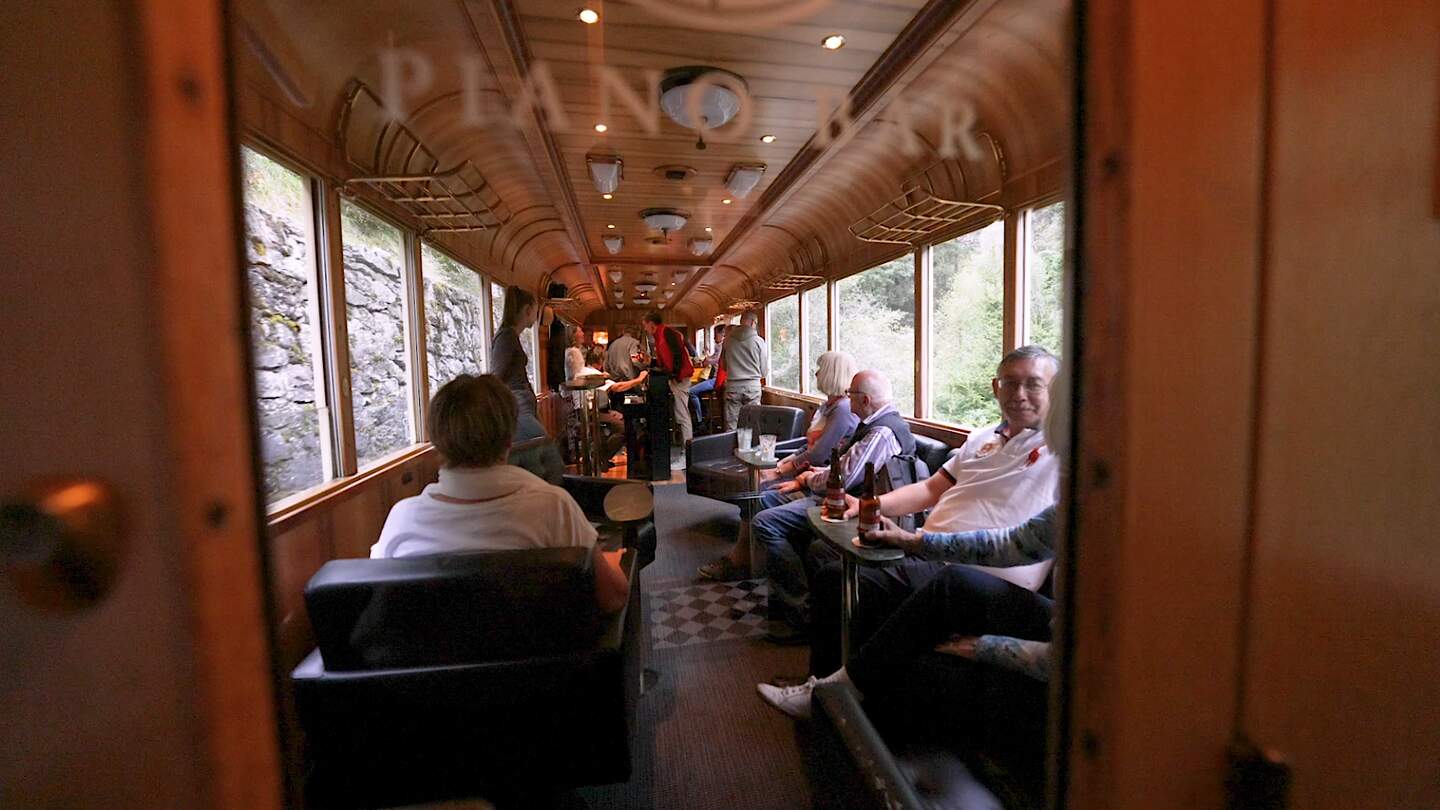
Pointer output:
x,y
1033,385
853,393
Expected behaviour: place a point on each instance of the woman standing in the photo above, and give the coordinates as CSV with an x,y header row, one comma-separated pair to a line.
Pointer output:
x,y
508,360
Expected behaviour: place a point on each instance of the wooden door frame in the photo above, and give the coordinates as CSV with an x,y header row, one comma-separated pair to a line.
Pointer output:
x,y
1167,222
190,153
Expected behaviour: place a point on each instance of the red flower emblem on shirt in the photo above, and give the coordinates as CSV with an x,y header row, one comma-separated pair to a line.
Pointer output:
x,y
1034,457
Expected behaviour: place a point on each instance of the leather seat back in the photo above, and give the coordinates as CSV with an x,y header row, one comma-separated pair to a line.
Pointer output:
x,y
452,608
782,420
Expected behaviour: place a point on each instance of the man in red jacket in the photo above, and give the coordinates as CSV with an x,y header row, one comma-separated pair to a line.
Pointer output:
x,y
672,358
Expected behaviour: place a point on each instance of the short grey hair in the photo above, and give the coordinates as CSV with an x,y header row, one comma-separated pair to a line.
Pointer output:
x,y
749,317
1033,351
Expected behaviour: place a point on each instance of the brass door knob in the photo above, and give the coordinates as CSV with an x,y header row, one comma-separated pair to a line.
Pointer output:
x,y
61,543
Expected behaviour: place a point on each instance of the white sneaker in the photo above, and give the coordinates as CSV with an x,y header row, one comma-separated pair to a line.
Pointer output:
x,y
792,700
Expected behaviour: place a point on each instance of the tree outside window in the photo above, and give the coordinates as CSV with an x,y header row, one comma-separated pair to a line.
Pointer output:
x,y
877,324
968,325
783,335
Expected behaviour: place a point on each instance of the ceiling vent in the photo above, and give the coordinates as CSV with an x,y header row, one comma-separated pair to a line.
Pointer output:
x,y
675,173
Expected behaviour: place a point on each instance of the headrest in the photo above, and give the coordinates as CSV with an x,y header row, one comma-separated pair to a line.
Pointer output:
x,y
451,608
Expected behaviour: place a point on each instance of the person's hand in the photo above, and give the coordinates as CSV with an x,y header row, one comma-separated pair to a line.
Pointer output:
x,y
788,487
769,475
890,534
963,646
852,506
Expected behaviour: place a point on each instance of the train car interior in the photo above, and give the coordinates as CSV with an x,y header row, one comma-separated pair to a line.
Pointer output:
x,y
721,404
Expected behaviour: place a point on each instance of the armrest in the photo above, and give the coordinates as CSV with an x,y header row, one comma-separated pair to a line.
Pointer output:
x,y
789,446
712,447
837,707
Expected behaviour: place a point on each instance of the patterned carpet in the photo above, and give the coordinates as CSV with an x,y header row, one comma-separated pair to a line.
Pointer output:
x,y
706,612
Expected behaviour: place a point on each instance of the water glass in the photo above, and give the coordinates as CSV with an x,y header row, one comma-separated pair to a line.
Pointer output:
x,y
742,437
767,446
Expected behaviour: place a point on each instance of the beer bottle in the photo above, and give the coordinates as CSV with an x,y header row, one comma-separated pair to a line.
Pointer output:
x,y
869,505
834,507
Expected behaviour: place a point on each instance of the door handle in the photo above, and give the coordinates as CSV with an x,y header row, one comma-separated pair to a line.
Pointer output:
x,y
61,543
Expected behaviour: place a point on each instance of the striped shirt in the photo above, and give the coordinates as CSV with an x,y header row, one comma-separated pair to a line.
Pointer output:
x,y
876,447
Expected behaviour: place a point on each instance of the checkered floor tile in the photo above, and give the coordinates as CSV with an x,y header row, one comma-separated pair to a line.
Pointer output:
x,y
707,611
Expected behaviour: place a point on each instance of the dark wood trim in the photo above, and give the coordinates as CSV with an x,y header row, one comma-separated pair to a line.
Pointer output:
x,y
190,153
327,495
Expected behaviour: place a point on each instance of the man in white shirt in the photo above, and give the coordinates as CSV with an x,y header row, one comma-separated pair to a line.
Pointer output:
x,y
1002,476
481,503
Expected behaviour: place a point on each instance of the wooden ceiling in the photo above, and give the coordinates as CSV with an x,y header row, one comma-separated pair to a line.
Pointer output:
x,y
1006,58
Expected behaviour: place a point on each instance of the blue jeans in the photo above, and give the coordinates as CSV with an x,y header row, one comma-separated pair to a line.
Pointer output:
x,y
695,391
782,530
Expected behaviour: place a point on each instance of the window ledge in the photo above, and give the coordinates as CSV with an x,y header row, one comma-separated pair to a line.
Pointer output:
x,y
289,512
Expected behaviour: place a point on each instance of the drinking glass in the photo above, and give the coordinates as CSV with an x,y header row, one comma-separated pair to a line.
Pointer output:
x,y
742,437
767,446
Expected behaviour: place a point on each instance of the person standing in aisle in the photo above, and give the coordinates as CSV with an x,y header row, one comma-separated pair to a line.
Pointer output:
x,y
744,360
672,358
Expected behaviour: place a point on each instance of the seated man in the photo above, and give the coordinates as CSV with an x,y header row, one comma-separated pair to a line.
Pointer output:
x,y
712,362
1001,476
481,503
611,422
997,624
783,529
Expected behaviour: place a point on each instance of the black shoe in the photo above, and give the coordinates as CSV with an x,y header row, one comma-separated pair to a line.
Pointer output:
x,y
787,635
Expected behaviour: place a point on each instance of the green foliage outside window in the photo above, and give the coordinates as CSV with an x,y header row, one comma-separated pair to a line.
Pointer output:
x,y
783,335
1044,280
968,325
877,324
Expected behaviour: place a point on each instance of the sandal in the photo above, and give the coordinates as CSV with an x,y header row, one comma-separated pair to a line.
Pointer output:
x,y
723,570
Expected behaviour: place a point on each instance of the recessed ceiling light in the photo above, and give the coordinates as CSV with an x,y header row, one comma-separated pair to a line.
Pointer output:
x,y
589,16
611,227
725,201
601,127
834,42
709,230
767,138
607,196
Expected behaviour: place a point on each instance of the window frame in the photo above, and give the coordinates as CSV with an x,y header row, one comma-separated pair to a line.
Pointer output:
x,y
770,337
318,308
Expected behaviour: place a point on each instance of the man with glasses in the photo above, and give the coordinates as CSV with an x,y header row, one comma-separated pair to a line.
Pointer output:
x,y
783,530
1000,477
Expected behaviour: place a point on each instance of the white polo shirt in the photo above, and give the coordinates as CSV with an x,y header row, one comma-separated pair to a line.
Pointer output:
x,y
998,484
503,507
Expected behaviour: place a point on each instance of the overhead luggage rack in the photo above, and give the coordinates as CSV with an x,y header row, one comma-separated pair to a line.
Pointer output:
x,y
920,212
392,160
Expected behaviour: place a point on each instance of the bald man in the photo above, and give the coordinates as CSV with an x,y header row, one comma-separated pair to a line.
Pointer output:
x,y
783,530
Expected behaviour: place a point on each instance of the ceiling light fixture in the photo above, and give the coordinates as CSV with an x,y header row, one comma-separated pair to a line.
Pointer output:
x,y
709,229
701,105
589,16
833,42
607,196
601,127
744,177
605,172
615,276
700,247
767,138
726,201
611,226
645,287
665,220
613,243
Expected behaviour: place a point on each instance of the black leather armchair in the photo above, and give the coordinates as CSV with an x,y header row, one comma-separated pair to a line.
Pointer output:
x,y
711,468
491,674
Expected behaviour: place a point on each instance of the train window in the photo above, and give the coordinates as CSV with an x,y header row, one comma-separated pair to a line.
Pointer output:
x,y
967,325
374,255
497,306
816,331
877,324
284,313
782,328
455,340
1044,271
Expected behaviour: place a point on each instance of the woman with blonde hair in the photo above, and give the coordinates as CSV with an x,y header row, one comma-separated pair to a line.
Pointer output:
x,y
831,424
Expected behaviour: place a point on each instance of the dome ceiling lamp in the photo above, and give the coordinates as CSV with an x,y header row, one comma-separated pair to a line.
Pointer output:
x,y
615,275
613,244
665,220
700,247
701,105
645,287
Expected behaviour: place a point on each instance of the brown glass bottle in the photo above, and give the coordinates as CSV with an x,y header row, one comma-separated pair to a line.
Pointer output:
x,y
869,505
834,508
